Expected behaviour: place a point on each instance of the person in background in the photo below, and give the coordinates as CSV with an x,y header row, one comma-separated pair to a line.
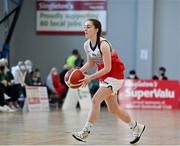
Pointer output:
x,y
49,83
61,75
132,75
7,87
3,105
162,73
36,78
19,73
54,84
13,87
29,69
29,65
74,60
155,77
78,62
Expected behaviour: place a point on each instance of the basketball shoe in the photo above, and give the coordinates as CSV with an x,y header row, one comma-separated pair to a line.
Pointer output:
x,y
81,135
137,132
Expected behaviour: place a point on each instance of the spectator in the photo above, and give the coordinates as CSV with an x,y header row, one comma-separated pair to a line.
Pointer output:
x,y
36,78
19,72
49,82
162,73
29,65
29,69
62,74
7,86
78,62
155,77
74,60
54,84
3,106
132,75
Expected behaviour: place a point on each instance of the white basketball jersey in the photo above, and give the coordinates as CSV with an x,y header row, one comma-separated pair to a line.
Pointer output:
x,y
95,53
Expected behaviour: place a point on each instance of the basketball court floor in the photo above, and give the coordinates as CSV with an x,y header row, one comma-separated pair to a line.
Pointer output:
x,y
55,127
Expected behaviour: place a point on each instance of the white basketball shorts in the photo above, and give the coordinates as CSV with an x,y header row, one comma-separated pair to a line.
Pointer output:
x,y
115,84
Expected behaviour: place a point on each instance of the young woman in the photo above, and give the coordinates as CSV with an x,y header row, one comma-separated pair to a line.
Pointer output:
x,y
111,76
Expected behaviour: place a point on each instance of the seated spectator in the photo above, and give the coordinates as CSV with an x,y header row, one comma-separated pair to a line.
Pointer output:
x,y
29,65
36,78
3,106
132,75
19,73
8,87
155,77
29,72
162,73
49,83
62,74
54,84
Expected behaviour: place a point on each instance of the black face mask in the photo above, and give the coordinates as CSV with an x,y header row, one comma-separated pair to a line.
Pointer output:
x,y
2,68
162,74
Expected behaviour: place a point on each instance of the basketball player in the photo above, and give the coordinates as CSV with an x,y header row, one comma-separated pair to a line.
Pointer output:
x,y
111,76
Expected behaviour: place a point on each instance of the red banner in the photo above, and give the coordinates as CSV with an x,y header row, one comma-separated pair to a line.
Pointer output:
x,y
150,94
71,5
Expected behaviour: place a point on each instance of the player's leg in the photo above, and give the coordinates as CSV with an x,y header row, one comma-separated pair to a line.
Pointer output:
x,y
100,95
115,109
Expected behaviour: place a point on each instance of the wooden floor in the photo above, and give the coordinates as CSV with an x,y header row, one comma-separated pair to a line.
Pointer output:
x,y
55,127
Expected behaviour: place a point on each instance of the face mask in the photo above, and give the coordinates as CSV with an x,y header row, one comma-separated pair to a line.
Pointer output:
x,y
132,76
29,68
22,68
162,74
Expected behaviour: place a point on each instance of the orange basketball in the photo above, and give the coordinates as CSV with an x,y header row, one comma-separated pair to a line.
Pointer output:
x,y
72,78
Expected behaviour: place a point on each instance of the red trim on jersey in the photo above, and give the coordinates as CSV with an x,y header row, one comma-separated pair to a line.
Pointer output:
x,y
117,68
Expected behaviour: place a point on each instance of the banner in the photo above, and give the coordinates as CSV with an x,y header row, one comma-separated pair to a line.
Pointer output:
x,y
150,94
68,16
36,99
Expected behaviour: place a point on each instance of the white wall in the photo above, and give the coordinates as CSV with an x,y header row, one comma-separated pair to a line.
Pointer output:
x,y
167,37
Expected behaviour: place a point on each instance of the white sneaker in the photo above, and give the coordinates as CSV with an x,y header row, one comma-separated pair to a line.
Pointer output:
x,y
18,107
6,96
13,108
137,132
81,135
8,109
2,109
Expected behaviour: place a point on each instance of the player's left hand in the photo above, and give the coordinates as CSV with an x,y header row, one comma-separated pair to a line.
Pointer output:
x,y
85,81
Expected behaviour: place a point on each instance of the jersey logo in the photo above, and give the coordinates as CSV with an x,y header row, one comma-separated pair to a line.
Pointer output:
x,y
93,54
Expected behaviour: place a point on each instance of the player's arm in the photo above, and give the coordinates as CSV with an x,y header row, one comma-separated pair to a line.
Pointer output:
x,y
89,64
106,55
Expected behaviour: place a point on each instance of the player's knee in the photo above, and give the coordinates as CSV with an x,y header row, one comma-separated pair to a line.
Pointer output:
x,y
95,102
